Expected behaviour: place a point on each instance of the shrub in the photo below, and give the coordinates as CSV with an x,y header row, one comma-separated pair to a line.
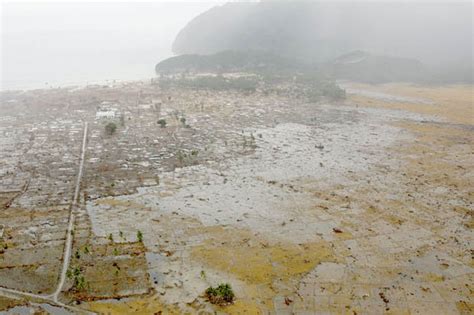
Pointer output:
x,y
79,282
162,123
220,295
333,91
110,128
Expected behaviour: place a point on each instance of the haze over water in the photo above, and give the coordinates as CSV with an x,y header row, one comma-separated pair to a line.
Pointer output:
x,y
57,44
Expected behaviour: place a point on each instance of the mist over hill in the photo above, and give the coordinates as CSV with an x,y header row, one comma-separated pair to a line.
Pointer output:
x,y
355,66
434,33
229,61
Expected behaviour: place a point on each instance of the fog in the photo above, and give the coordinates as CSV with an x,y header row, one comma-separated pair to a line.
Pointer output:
x,y
61,43
433,32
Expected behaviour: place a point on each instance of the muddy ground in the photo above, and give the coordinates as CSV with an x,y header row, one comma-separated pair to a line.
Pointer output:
x,y
358,207
354,207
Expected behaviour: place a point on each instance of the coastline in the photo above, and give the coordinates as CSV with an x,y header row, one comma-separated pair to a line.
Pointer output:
x,y
71,85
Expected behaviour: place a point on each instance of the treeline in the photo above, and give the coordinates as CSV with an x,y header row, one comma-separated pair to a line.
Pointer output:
x,y
217,83
229,61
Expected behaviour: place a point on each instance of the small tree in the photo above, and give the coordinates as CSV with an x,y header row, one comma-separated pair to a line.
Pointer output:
x,y
110,128
162,123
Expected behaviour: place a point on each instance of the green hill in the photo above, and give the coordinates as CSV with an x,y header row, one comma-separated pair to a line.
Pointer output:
x,y
229,61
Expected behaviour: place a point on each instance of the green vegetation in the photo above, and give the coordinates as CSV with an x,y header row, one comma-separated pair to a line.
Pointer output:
x,y
139,236
333,91
111,237
228,61
220,295
218,83
293,30
162,123
110,128
79,281
313,86
325,89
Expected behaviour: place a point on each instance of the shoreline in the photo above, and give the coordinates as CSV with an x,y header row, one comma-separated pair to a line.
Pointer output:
x,y
69,85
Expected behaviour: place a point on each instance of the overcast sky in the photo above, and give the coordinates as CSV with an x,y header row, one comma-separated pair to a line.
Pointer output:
x,y
66,41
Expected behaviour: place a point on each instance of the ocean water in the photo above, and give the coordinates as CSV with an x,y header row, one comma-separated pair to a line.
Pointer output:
x,y
57,58
55,44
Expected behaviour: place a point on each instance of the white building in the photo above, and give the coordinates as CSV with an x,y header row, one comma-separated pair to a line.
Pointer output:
x,y
105,114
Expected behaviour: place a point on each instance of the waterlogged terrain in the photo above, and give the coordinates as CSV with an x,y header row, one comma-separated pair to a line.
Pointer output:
x,y
363,205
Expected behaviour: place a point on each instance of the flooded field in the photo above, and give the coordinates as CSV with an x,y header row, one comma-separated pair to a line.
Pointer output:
x,y
347,207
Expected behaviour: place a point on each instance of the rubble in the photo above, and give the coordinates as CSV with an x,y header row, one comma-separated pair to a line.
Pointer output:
x,y
302,207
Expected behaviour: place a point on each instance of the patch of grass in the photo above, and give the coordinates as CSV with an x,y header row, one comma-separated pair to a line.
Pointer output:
x,y
140,236
221,295
79,281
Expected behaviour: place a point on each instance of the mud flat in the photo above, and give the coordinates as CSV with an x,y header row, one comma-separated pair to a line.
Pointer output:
x,y
354,207
358,206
